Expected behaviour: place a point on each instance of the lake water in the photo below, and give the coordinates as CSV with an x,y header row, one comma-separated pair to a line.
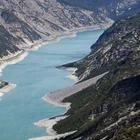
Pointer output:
x,y
35,77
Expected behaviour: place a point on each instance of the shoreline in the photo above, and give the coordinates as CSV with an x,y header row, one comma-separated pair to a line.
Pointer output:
x,y
56,98
60,104
49,123
1,94
73,32
37,44
72,76
6,89
20,55
53,137
13,59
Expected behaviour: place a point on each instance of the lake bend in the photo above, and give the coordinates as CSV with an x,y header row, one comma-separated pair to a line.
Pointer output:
x,y
35,77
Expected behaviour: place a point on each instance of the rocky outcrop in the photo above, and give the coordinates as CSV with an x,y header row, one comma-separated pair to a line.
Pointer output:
x,y
30,21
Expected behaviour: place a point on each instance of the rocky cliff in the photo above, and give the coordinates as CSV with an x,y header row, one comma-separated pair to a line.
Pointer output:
x,y
108,110
30,21
111,8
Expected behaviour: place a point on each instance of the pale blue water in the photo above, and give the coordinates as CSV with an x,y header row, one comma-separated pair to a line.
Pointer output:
x,y
36,76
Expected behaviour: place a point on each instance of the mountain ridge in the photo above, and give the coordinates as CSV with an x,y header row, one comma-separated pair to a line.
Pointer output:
x,y
114,101
46,19
110,108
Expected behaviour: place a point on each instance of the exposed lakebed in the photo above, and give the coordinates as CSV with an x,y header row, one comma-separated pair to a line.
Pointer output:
x,y
35,77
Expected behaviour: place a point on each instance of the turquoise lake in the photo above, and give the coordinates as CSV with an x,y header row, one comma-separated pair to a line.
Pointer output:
x,y
35,77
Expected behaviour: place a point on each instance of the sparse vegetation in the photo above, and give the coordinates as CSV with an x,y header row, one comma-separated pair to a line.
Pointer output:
x,y
114,99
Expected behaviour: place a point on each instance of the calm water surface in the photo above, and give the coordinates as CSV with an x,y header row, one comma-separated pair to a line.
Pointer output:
x,y
36,76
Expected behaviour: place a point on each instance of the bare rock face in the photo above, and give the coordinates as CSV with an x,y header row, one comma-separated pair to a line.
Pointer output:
x,y
111,8
31,20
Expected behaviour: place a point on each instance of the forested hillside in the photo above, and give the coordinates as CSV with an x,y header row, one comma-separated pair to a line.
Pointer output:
x,y
110,109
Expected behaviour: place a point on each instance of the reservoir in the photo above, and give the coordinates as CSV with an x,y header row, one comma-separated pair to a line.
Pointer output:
x,y
35,77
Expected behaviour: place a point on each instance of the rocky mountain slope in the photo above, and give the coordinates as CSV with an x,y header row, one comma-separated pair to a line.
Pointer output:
x,y
113,46
110,109
30,21
111,8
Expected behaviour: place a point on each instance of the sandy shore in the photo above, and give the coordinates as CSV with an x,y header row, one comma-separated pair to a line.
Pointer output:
x,y
73,32
67,34
56,103
60,37
53,137
17,57
6,88
20,55
49,123
72,76
94,27
56,99
1,94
